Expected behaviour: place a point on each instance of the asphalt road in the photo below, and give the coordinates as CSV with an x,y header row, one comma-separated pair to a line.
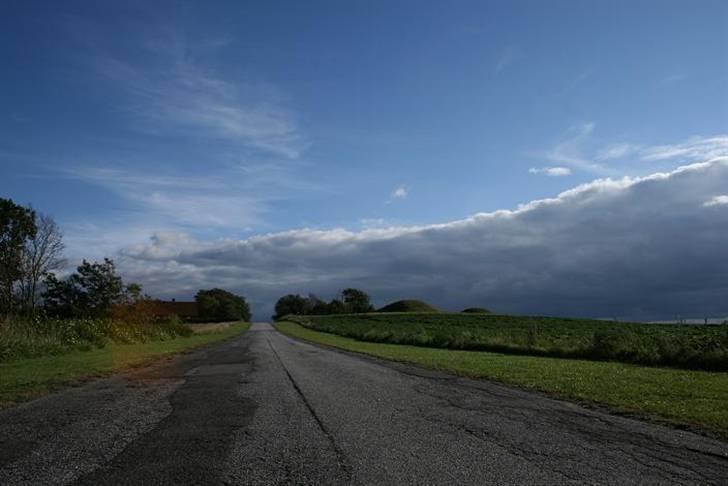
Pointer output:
x,y
266,409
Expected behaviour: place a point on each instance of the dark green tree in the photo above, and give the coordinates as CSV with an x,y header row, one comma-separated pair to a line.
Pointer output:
x,y
292,304
92,291
336,307
317,306
221,305
356,301
17,225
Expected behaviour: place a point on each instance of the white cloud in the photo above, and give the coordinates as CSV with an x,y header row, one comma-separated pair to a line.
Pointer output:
x,y
630,247
399,192
716,201
551,171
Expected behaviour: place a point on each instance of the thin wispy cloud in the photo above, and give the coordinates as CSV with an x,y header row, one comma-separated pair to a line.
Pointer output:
x,y
202,201
255,156
674,78
368,223
616,151
578,151
175,95
551,171
582,76
570,151
694,148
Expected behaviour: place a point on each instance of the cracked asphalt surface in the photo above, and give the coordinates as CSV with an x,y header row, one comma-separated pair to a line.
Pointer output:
x,y
266,409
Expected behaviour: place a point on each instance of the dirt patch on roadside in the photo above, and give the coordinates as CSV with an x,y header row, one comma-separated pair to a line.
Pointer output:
x,y
204,327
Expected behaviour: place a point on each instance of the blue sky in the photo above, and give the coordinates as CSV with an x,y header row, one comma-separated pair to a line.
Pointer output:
x,y
208,122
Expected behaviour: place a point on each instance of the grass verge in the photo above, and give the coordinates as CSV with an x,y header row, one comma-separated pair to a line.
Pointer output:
x,y
25,379
700,347
681,397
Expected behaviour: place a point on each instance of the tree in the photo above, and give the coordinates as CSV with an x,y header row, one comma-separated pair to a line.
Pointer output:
x,y
292,304
356,301
221,305
336,307
316,306
41,255
92,291
17,225
133,293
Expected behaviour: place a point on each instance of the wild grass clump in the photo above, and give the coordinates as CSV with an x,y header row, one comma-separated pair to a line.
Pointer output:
x,y
706,350
42,336
684,346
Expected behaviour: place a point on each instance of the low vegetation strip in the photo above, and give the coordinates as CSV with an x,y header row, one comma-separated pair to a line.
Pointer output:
x,y
32,338
684,346
24,379
683,397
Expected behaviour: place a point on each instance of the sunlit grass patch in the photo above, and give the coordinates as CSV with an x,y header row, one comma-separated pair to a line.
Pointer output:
x,y
23,379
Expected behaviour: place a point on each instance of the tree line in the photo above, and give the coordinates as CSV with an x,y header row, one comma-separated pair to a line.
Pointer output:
x,y
349,301
31,251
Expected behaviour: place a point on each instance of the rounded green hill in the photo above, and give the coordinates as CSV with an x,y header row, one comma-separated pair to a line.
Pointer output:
x,y
408,305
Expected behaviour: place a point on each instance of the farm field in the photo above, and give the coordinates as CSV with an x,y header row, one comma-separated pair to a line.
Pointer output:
x,y
683,346
28,378
681,397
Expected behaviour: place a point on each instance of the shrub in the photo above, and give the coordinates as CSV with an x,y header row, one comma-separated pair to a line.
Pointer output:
x,y
476,310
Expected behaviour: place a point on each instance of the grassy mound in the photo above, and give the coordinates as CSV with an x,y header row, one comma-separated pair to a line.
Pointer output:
x,y
476,310
408,305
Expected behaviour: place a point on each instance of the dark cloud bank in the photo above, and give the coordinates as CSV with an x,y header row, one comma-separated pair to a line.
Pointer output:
x,y
647,248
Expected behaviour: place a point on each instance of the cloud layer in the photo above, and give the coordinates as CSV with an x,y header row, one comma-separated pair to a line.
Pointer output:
x,y
646,248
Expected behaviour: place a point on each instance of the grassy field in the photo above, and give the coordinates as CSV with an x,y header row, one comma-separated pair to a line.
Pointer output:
x,y
684,397
24,379
691,347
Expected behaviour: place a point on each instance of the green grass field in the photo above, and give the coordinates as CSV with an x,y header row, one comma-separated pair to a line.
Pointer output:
x,y
683,397
24,379
685,346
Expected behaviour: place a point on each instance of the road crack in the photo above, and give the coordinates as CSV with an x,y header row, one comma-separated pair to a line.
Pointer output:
x,y
340,456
